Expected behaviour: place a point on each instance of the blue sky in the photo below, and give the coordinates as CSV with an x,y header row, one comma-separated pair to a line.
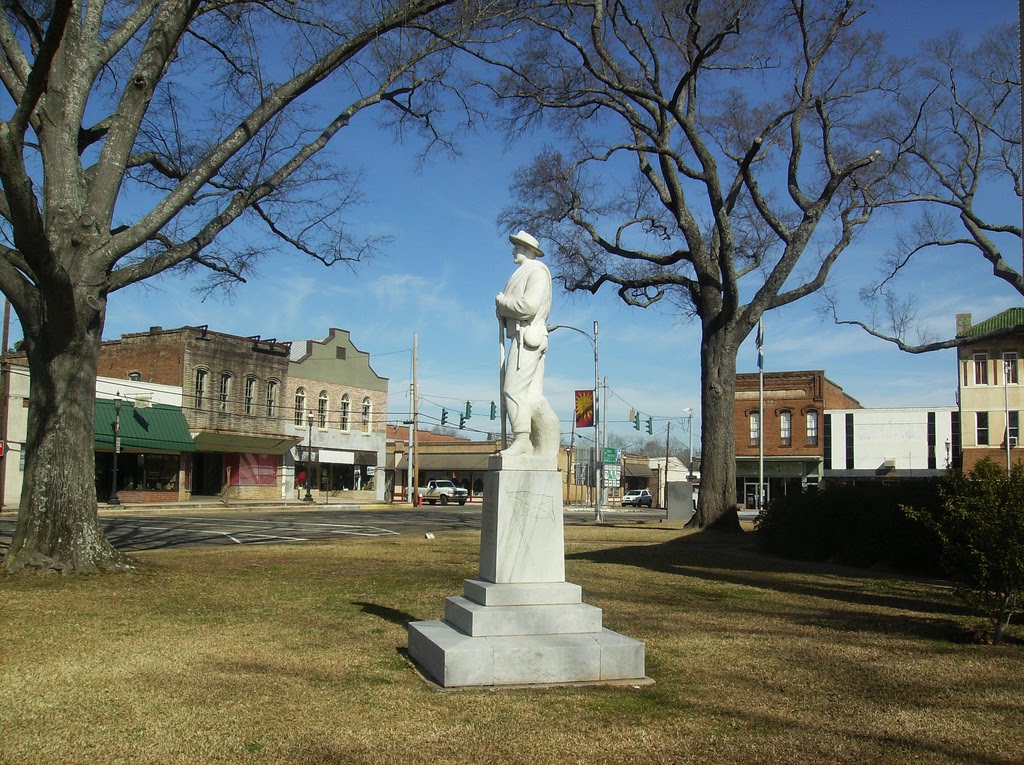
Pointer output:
x,y
447,259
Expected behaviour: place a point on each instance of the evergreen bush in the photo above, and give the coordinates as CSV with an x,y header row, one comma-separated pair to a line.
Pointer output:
x,y
981,527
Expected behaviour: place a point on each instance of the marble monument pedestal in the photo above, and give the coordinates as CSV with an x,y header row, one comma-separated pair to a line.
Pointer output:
x,y
520,622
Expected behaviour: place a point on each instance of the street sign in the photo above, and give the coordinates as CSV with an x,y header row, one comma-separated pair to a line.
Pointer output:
x,y
611,456
612,476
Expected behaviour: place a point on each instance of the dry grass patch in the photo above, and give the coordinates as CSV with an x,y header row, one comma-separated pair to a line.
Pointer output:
x,y
291,654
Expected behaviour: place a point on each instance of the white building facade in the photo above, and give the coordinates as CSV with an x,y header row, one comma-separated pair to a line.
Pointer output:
x,y
906,442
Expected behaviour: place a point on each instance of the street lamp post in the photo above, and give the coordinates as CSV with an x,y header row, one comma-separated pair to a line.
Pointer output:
x,y
598,443
309,457
113,500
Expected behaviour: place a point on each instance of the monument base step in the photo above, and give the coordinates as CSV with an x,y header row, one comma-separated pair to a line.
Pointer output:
x,y
452,658
506,621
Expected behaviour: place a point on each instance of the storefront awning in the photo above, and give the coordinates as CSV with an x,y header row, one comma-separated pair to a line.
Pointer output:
x,y
244,443
633,470
153,428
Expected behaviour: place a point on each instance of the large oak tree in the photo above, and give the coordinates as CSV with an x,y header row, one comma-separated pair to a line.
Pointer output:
x,y
134,134
720,154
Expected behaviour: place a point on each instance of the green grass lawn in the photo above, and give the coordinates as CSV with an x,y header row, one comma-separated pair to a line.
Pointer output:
x,y
293,654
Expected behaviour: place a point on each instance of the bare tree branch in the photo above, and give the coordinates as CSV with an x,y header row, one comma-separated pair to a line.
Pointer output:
x,y
956,138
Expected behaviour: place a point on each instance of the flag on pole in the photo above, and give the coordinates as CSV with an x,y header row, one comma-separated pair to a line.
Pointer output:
x,y
759,342
584,409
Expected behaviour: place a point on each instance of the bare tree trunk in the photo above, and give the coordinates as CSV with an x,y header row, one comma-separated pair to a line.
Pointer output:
x,y
716,507
58,527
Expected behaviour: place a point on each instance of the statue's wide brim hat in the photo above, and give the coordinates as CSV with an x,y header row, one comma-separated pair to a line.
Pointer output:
x,y
527,241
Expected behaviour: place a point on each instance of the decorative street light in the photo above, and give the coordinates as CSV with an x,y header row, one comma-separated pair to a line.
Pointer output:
x,y
113,500
309,457
598,442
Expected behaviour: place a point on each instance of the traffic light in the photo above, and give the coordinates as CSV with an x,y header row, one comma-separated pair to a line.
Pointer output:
x,y
635,416
494,411
469,410
650,425
462,421
444,416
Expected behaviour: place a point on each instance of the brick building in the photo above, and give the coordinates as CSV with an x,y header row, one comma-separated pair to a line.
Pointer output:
x,y
794,417
989,390
336,399
232,388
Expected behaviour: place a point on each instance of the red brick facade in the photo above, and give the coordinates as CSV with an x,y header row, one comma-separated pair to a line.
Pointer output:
x,y
795,393
224,420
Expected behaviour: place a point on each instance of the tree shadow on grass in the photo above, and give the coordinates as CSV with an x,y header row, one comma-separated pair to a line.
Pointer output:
x,y
734,559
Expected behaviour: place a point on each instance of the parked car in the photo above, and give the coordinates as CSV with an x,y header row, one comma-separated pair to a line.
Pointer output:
x,y
443,491
637,498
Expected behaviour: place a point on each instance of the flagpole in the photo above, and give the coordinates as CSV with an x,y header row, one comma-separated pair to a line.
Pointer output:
x,y
760,415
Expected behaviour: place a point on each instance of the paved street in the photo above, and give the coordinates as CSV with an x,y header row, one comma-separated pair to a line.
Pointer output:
x,y
134,533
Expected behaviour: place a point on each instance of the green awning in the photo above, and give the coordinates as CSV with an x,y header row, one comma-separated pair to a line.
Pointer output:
x,y
156,427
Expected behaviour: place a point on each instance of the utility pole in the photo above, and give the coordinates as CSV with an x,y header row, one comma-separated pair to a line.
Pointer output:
x,y
408,454
668,434
415,463
603,491
598,440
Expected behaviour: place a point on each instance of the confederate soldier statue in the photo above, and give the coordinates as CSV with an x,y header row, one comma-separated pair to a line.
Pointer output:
x,y
523,308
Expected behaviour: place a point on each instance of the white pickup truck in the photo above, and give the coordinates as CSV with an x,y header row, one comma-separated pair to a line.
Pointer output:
x,y
443,491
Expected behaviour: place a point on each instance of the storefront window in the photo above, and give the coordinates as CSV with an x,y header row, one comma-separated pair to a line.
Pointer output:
x,y
137,472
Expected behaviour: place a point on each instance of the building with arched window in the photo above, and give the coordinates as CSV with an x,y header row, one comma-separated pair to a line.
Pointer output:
x,y
347,446
239,438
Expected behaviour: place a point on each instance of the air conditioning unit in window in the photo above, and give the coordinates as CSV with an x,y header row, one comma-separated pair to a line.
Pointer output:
x,y
890,463
1013,441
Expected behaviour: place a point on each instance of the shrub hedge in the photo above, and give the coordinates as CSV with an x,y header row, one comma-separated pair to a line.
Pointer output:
x,y
860,524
